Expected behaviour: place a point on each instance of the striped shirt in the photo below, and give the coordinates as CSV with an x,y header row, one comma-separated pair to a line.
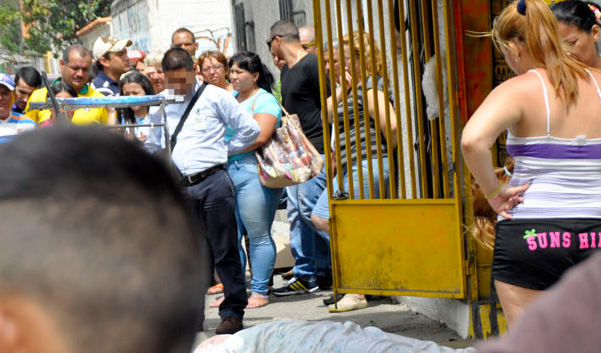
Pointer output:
x,y
565,174
15,124
362,128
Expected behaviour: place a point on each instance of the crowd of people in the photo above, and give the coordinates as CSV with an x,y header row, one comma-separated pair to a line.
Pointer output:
x,y
229,111
548,212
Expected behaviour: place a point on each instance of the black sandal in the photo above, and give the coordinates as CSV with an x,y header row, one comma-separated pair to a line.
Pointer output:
x,y
330,300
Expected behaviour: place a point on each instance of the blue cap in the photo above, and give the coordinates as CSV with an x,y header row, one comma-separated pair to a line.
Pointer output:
x,y
7,81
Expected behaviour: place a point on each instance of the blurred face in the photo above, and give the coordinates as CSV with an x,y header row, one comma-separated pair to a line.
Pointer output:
x,y
185,41
214,72
7,100
77,70
156,76
336,64
116,64
140,66
347,62
22,93
134,89
580,44
243,80
181,81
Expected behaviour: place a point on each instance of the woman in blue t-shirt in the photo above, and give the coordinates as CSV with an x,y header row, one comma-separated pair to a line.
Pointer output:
x,y
255,204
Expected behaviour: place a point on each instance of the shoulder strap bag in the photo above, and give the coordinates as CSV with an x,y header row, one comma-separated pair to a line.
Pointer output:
x,y
177,174
184,117
288,158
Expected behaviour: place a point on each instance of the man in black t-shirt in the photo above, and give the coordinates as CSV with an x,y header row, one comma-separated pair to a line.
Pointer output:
x,y
300,95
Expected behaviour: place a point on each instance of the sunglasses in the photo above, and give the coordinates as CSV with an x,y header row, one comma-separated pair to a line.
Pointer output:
x,y
309,45
271,40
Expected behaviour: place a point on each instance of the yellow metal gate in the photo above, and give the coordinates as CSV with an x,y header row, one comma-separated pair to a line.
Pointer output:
x,y
411,240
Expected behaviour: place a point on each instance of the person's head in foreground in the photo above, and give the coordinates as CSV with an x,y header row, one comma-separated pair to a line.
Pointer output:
x,y
98,253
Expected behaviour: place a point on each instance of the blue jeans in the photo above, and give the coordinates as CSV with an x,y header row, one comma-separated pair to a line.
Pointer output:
x,y
255,211
321,209
310,246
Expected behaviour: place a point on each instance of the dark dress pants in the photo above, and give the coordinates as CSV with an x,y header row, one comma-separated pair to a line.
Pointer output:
x,y
213,203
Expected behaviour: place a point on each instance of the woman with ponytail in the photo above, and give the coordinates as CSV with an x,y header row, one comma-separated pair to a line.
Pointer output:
x,y
579,28
550,211
255,204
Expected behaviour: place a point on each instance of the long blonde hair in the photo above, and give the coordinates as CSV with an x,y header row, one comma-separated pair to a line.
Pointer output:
x,y
538,29
485,218
368,48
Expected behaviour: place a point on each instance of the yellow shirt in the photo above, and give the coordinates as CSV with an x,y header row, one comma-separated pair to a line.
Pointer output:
x,y
83,116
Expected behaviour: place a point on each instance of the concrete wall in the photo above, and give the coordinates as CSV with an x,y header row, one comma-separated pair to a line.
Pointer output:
x,y
261,14
454,313
150,23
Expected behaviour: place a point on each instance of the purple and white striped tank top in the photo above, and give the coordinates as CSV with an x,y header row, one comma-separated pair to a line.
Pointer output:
x,y
565,174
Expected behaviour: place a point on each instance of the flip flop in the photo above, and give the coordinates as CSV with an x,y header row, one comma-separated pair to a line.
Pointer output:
x,y
330,300
216,289
348,303
217,302
258,296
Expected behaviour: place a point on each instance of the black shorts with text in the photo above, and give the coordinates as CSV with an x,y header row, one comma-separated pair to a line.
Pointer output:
x,y
534,253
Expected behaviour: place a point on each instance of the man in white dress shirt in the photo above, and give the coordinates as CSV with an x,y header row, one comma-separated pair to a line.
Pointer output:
x,y
200,154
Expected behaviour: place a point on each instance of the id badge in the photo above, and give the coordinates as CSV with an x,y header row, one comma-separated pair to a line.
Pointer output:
x,y
200,123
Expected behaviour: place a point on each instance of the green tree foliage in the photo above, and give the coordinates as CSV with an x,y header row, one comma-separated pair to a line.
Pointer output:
x,y
10,30
53,23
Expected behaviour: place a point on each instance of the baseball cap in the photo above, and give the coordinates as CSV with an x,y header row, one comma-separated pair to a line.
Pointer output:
x,y
105,45
7,81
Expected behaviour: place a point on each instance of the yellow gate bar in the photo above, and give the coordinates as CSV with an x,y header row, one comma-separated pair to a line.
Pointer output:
x,y
353,59
433,130
366,118
386,81
370,26
343,84
397,110
441,107
408,114
335,120
418,101
322,86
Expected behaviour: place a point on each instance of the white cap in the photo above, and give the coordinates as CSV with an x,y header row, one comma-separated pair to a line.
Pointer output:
x,y
105,45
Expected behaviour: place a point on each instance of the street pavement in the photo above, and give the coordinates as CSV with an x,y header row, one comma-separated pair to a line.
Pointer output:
x,y
382,312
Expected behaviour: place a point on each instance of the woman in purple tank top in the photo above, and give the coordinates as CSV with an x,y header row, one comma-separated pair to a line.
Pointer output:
x,y
550,212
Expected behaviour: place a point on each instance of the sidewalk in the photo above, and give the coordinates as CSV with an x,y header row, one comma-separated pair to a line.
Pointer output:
x,y
381,312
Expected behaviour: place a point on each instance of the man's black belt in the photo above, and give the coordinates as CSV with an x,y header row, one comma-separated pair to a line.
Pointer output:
x,y
194,179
